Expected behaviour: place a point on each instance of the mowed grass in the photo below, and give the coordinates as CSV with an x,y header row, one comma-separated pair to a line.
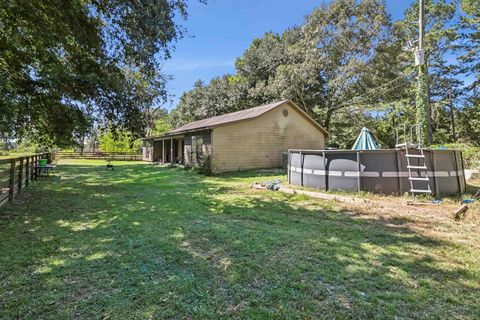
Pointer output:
x,y
146,242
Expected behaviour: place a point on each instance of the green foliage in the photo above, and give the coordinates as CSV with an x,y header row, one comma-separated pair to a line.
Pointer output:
x,y
345,65
423,109
439,44
471,7
471,154
469,120
341,51
469,27
222,95
161,126
29,146
62,62
118,141
206,165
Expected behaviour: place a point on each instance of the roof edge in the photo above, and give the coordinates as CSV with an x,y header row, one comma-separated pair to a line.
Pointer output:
x,y
277,104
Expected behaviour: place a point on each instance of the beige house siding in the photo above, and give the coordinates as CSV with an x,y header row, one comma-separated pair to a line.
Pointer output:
x,y
259,143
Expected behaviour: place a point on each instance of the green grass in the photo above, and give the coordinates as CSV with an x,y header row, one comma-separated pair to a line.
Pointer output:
x,y
147,242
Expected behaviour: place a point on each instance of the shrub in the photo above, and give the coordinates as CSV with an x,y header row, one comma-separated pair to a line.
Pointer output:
x,y
471,154
206,165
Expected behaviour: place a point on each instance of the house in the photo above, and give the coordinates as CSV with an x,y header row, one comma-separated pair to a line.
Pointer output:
x,y
247,139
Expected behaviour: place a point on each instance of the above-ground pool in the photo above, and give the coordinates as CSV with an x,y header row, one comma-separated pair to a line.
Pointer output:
x,y
376,171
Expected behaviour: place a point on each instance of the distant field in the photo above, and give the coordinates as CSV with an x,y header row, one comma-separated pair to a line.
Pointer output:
x,y
14,155
145,241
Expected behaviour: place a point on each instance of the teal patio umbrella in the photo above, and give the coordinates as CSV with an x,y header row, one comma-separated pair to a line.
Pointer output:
x,y
365,141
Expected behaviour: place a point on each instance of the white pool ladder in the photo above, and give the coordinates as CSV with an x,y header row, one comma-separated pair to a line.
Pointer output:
x,y
420,168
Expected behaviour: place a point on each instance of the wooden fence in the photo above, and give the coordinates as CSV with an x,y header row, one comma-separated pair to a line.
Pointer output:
x,y
16,174
99,155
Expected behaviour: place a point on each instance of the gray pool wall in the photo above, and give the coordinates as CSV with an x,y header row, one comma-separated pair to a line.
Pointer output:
x,y
377,171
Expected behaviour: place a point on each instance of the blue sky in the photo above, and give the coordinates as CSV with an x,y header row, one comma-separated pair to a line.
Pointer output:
x,y
223,29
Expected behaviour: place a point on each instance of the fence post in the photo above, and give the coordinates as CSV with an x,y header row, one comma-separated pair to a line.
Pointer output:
x,y
32,167
11,182
463,171
27,171
456,172
359,170
399,170
302,158
36,170
434,178
20,175
289,167
325,169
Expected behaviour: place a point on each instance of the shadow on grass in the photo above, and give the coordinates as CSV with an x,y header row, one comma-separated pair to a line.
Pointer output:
x,y
472,188
146,241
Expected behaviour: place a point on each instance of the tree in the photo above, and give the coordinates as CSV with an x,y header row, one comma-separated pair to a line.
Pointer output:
x,y
344,49
469,26
222,95
73,59
162,126
162,123
470,34
439,43
345,65
258,66
339,53
118,141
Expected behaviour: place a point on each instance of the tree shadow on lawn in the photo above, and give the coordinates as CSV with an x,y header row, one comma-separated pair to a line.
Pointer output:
x,y
155,242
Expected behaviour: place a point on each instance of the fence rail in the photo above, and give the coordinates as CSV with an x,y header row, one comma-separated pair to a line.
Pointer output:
x,y
100,155
17,173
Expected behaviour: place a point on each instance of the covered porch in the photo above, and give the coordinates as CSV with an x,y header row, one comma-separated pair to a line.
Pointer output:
x,y
166,149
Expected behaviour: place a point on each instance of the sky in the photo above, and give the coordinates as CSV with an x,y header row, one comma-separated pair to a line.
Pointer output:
x,y
222,30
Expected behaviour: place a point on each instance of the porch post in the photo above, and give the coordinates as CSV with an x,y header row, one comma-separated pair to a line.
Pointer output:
x,y
163,151
172,156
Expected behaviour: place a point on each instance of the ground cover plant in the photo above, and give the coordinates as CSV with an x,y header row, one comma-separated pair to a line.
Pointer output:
x,y
145,241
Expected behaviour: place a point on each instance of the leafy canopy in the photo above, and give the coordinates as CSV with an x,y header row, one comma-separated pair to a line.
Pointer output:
x,y
346,66
118,141
65,64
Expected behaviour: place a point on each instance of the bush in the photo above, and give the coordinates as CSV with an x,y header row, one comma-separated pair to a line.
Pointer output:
x,y
206,166
471,154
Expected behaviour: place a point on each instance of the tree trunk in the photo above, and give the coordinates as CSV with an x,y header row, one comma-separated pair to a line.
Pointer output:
x,y
328,118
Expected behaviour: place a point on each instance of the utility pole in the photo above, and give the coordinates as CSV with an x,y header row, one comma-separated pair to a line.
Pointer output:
x,y
452,115
423,115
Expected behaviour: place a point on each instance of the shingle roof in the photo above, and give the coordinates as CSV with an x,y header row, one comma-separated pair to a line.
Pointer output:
x,y
227,118
234,117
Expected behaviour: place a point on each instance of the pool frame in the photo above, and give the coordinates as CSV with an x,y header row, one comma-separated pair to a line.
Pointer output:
x,y
381,171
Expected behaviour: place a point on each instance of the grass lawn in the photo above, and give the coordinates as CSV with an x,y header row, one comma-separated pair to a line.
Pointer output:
x,y
151,242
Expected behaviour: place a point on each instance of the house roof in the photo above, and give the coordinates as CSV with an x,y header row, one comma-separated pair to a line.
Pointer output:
x,y
236,116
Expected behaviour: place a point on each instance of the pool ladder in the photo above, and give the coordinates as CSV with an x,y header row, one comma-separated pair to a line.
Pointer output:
x,y
420,167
